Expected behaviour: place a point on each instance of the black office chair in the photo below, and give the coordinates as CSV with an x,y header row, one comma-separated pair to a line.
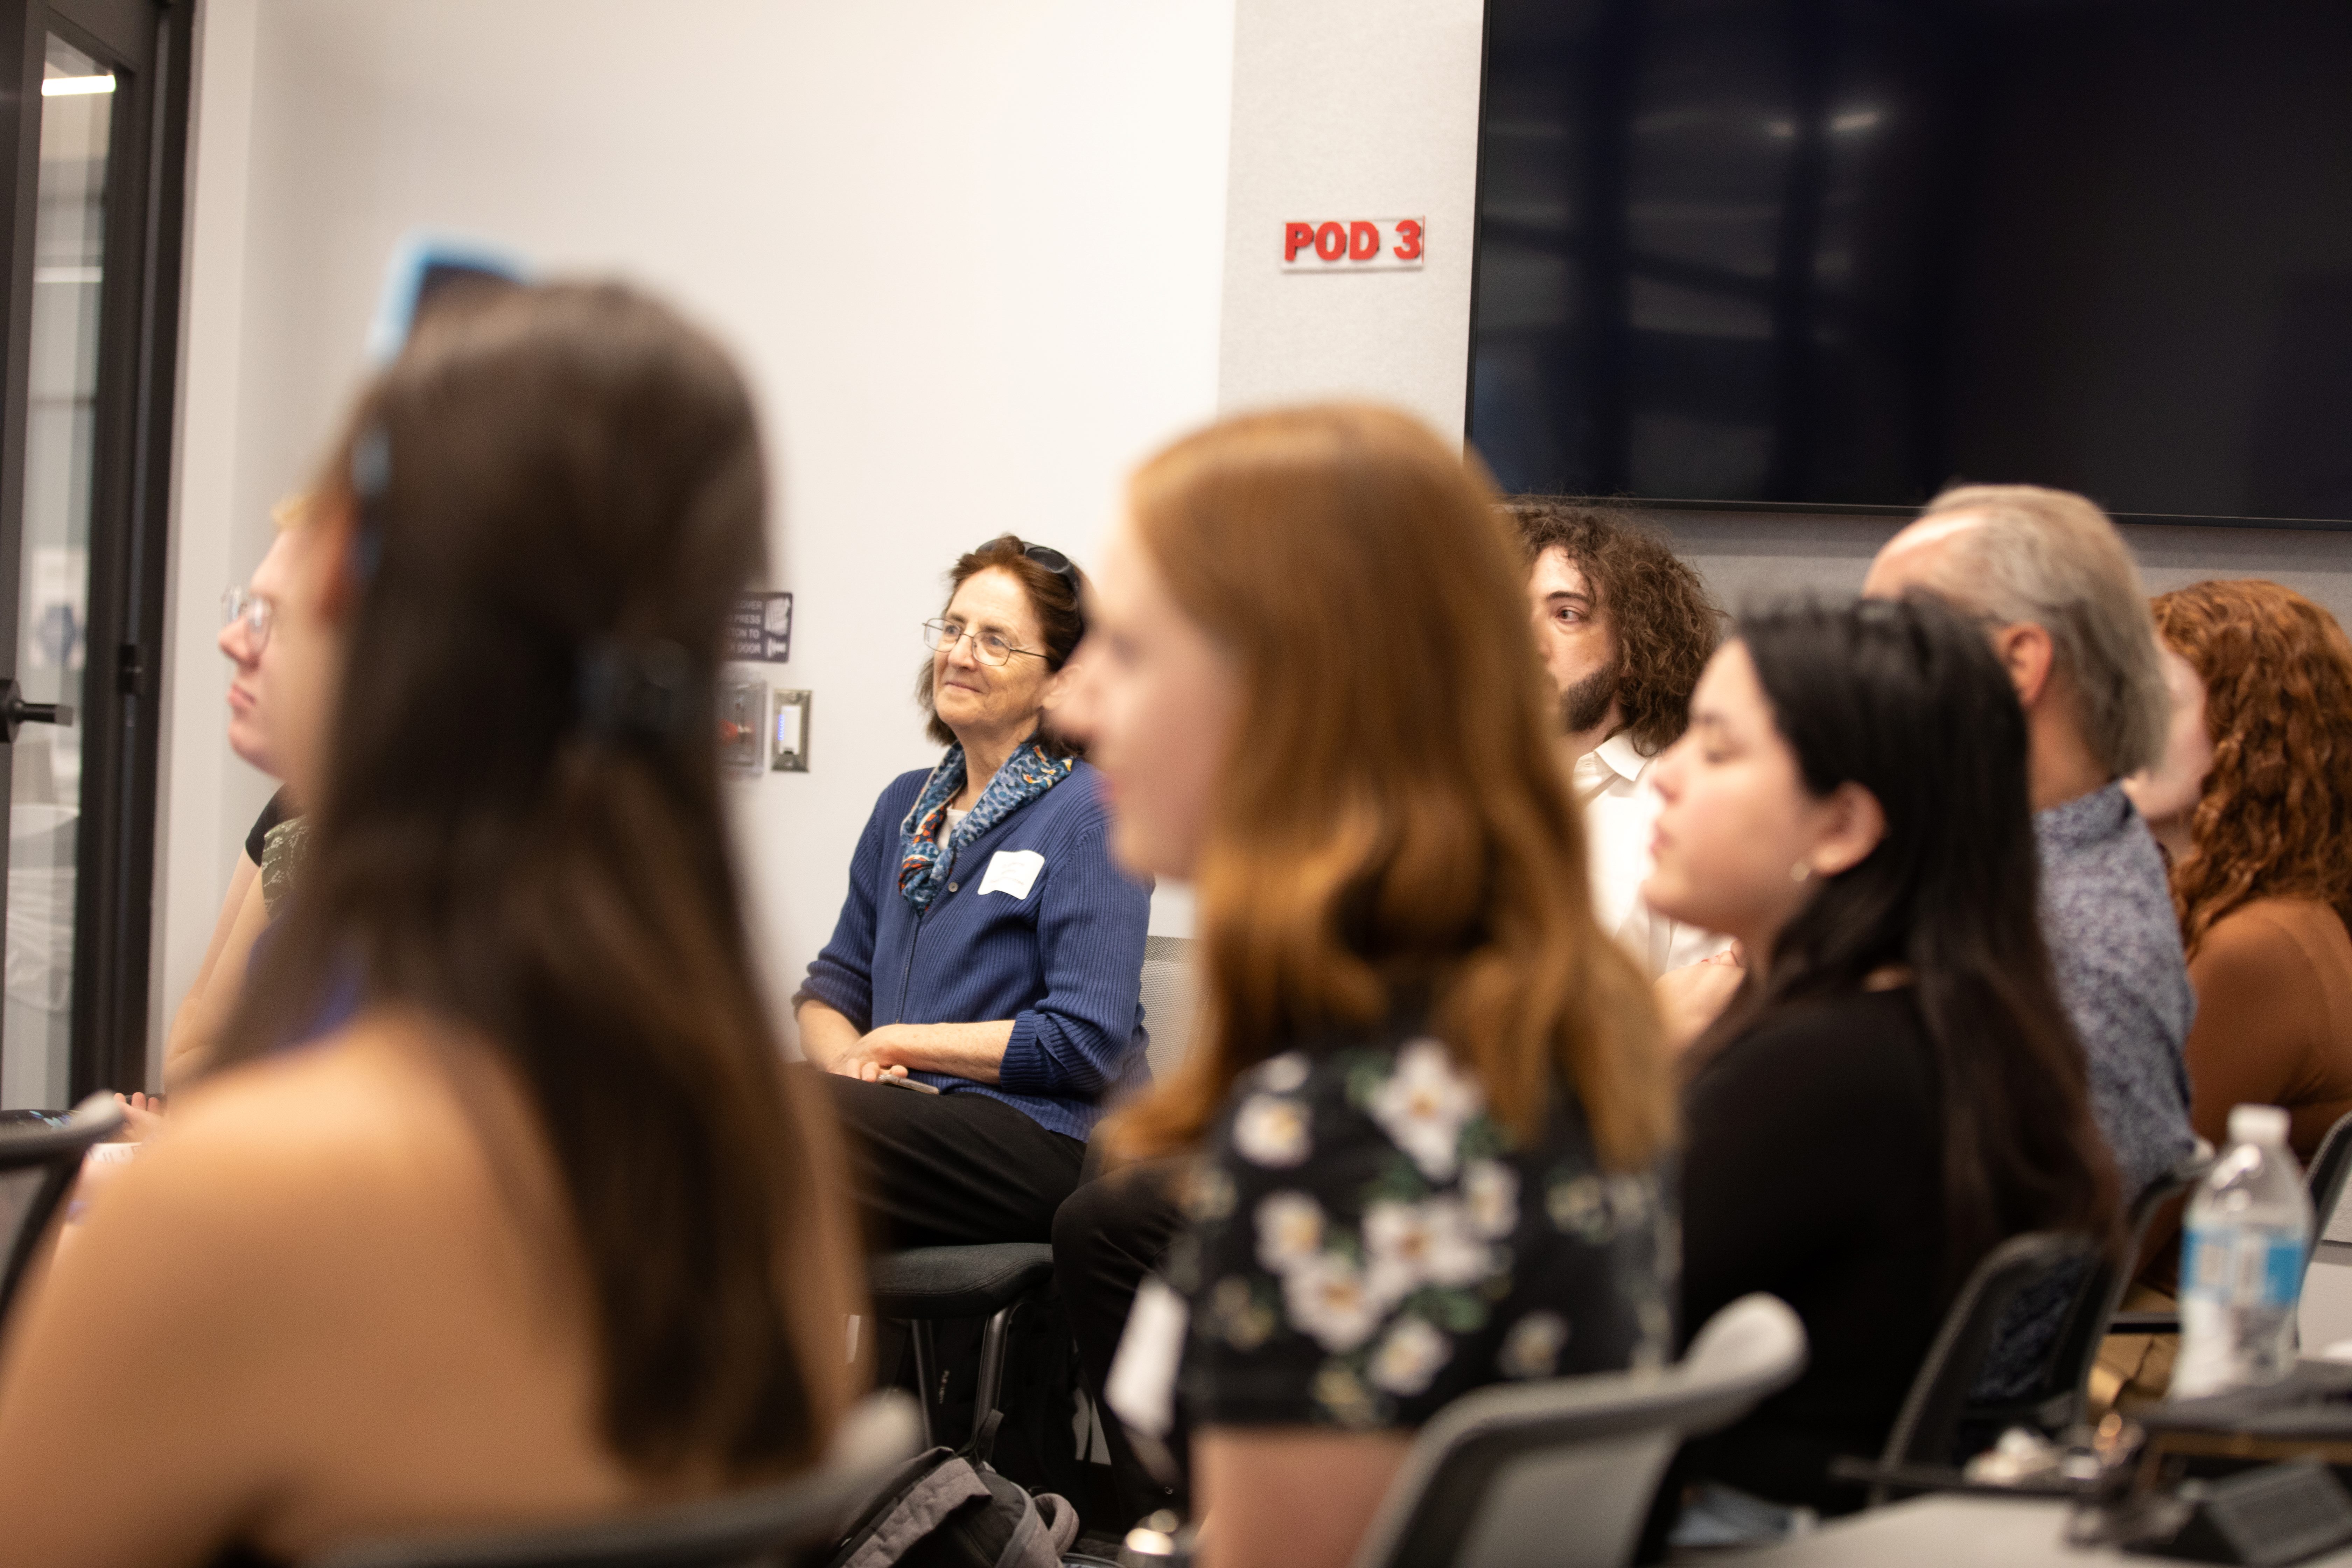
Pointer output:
x,y
40,1153
2331,1164
1562,1471
923,1285
2062,1396
1924,1443
797,1522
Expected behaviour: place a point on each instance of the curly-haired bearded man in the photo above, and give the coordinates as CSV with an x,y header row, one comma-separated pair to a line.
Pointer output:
x,y
1624,626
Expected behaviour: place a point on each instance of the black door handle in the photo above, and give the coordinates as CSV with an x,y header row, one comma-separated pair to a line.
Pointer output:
x,y
15,712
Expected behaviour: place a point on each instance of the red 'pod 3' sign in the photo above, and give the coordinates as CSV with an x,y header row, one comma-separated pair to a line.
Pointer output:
x,y
1353,245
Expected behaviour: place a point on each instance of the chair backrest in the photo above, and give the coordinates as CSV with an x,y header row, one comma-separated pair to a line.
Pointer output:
x,y
774,1527
2331,1162
2104,1286
1561,1472
1172,990
1926,1428
39,1157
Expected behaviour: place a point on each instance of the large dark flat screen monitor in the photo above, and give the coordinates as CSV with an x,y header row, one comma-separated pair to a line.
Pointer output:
x,y
1825,253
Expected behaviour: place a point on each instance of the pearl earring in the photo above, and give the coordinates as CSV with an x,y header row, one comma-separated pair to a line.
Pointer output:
x,y
1801,872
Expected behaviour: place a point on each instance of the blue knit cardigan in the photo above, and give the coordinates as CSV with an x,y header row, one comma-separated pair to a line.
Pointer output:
x,y
1064,961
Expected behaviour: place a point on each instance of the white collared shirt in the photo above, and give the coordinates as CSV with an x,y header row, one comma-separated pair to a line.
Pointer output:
x,y
1618,811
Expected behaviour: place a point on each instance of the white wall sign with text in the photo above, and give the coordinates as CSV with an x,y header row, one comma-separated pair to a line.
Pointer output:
x,y
1353,245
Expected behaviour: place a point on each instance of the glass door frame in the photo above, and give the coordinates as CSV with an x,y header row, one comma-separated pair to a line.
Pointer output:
x,y
148,44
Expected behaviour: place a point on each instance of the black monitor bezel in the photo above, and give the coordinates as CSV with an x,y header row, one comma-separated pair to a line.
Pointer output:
x,y
1784,509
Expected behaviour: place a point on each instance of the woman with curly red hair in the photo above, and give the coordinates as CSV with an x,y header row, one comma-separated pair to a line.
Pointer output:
x,y
2253,802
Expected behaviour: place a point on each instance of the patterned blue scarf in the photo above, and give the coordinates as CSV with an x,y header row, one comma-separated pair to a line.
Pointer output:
x,y
924,861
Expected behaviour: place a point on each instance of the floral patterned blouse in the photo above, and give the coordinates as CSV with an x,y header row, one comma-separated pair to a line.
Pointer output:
x,y
1368,1242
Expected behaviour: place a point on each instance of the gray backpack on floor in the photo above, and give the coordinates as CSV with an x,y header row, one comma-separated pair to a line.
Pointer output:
x,y
946,1509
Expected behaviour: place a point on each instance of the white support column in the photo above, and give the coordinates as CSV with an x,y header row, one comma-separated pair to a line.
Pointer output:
x,y
1352,109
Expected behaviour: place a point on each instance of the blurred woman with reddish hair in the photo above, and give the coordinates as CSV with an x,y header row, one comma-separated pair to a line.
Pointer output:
x,y
2253,801
1428,1104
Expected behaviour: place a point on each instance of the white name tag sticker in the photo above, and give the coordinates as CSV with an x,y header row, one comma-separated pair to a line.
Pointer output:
x,y
1013,872
1141,1387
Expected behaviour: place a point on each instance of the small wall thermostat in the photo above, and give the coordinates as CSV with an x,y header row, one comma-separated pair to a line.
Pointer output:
x,y
791,735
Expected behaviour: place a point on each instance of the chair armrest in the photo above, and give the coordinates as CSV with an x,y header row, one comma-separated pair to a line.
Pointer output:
x,y
2145,1323
1908,1478
1897,1480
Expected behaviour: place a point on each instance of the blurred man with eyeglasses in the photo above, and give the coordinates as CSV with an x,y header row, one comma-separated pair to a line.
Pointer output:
x,y
258,663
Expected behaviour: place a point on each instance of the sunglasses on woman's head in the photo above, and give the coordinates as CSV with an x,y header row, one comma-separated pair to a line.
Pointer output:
x,y
1060,565
1053,561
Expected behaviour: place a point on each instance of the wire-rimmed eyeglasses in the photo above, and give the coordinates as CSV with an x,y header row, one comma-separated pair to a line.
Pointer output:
x,y
254,609
992,648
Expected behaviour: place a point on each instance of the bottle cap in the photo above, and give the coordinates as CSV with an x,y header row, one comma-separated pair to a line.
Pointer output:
x,y
2257,1124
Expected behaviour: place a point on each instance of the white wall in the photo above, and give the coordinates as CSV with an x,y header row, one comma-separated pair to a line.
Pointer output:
x,y
968,256
1754,558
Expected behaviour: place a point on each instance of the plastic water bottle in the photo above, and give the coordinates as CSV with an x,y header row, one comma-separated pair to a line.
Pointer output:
x,y
2241,1259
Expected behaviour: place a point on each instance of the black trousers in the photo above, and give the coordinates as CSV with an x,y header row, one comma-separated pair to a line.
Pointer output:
x,y
1108,1236
943,1169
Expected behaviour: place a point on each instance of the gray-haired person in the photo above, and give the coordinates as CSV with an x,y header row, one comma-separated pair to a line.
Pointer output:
x,y
2048,574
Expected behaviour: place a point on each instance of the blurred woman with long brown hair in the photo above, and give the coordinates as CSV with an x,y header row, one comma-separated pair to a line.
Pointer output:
x,y
497,1203
1428,1101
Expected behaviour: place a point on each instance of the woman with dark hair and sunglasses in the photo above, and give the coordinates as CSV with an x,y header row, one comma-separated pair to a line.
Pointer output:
x,y
1894,1089
496,1202
979,997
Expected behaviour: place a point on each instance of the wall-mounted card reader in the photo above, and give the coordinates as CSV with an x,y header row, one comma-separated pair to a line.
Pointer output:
x,y
791,732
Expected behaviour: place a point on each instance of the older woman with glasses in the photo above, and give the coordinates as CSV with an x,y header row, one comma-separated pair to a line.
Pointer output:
x,y
978,1002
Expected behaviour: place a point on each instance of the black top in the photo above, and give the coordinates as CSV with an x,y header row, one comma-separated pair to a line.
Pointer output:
x,y
1370,1244
271,816
1814,1169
